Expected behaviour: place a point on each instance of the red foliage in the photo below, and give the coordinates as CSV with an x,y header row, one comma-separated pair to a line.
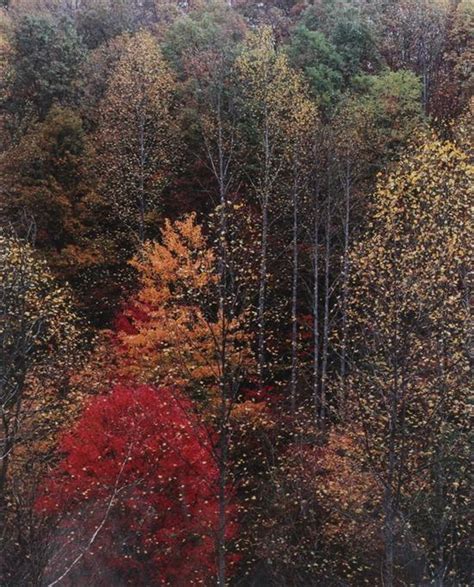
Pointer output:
x,y
140,455
266,394
128,316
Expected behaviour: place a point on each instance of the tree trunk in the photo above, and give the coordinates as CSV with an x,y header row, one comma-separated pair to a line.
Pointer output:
x,y
141,184
389,538
389,496
262,293
294,303
316,398
345,283
222,267
221,531
324,363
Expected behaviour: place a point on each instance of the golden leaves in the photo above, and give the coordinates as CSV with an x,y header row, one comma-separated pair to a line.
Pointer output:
x,y
408,314
137,141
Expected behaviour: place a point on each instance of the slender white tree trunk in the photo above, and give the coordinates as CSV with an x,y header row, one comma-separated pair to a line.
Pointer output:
x,y
325,350
141,183
316,398
345,283
262,293
294,300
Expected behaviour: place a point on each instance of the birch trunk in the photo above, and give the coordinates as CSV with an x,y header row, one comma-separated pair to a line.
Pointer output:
x,y
316,398
325,350
345,281
294,302
262,292
141,185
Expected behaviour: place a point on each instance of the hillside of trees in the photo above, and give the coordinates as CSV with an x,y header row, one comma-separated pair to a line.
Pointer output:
x,y
235,333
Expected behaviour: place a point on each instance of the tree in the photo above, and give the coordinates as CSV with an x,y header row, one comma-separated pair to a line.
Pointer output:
x,y
134,495
187,329
332,43
38,333
209,68
207,179
276,112
454,80
213,27
300,159
6,69
203,46
390,102
46,176
370,126
99,21
318,524
408,314
36,316
47,55
43,175
322,65
174,325
413,37
136,146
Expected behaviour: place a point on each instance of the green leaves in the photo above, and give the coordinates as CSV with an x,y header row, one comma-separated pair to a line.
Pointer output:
x,y
47,57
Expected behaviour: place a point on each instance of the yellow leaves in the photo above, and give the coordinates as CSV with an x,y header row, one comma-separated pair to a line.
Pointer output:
x,y
30,296
276,94
142,73
407,314
251,416
421,211
137,143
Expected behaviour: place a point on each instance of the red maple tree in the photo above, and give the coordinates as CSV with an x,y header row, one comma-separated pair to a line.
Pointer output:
x,y
135,494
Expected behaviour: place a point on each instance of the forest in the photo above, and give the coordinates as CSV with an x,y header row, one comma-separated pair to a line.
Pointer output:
x,y
235,293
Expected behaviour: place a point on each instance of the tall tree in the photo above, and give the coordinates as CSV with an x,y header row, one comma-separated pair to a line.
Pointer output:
x,y
301,133
410,364
276,110
413,36
370,126
43,174
332,43
47,54
455,79
190,331
136,142
204,45
37,330
173,335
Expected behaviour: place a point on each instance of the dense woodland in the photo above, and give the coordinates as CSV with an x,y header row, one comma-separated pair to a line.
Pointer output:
x,y
235,290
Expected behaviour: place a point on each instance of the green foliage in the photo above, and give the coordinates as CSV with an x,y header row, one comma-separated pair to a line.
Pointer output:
x,y
391,103
43,175
99,21
216,28
350,32
47,55
332,43
322,64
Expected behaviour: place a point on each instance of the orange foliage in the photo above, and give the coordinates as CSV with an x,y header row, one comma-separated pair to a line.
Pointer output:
x,y
175,329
